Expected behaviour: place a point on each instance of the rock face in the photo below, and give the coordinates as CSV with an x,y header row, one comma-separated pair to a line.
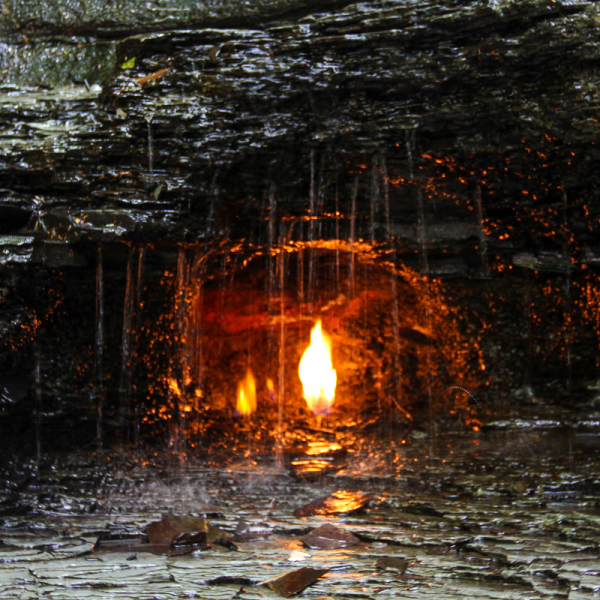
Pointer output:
x,y
460,137
180,112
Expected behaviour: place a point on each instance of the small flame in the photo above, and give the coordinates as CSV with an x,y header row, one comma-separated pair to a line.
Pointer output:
x,y
246,395
317,374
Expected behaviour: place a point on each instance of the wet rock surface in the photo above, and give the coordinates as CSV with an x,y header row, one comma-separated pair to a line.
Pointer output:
x,y
465,134
501,515
192,113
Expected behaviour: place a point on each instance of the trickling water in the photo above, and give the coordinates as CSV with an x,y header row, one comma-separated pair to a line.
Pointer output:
x,y
179,398
300,275
150,146
422,229
395,396
187,367
423,235
337,240
568,307
352,274
196,359
126,366
99,347
214,199
281,395
312,198
482,236
422,224
138,313
271,239
319,201
528,334
374,197
311,234
271,280
38,407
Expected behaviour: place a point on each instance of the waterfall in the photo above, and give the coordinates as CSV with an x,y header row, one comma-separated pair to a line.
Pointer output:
x,y
396,397
482,236
196,335
99,348
375,175
568,303
337,240
311,234
38,408
422,235
178,366
126,338
281,394
271,276
150,147
138,324
352,274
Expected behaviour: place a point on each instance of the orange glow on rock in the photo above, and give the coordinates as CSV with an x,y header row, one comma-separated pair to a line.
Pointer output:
x,y
317,374
271,390
246,395
174,386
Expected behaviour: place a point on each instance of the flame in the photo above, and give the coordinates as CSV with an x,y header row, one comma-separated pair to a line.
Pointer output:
x,y
246,395
317,374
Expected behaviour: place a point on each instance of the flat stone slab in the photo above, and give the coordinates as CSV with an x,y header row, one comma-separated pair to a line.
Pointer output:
x,y
461,534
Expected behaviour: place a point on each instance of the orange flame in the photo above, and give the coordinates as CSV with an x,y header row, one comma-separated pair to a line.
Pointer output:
x,y
246,395
317,374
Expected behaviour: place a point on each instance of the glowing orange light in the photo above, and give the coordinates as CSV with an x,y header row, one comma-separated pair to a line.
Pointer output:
x,y
174,386
246,395
317,374
271,389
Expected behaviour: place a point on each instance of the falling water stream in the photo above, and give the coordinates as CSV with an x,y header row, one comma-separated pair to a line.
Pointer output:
x,y
150,147
312,213
568,308
396,390
351,276
482,240
138,310
38,408
281,393
126,341
99,349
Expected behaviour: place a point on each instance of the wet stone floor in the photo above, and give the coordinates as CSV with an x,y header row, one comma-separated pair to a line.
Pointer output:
x,y
511,512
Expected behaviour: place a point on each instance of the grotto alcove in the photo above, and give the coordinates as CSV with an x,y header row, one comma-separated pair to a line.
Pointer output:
x,y
188,188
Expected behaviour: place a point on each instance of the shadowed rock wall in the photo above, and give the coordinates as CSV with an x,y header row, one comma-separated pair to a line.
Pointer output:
x,y
462,133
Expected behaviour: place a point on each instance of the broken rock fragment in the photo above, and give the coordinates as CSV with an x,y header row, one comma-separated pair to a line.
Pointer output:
x,y
329,537
291,582
183,529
